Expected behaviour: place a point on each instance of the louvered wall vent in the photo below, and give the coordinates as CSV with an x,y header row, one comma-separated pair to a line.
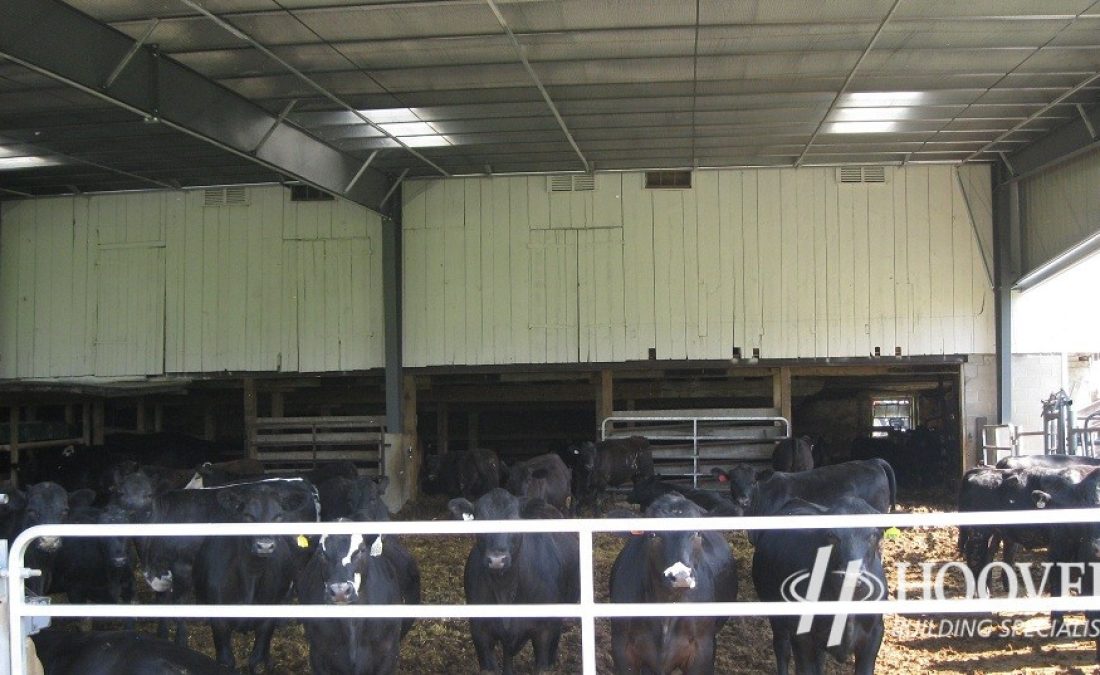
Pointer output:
x,y
861,174
226,196
306,193
572,183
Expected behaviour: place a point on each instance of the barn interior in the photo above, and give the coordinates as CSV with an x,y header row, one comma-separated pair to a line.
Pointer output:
x,y
434,226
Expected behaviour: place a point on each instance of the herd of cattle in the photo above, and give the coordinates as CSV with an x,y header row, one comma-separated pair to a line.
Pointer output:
x,y
528,568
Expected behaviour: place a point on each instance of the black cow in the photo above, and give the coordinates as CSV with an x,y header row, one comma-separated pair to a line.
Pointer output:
x,y
647,491
251,570
357,569
343,497
740,478
671,567
118,653
1046,461
168,562
918,455
45,503
462,474
793,454
517,569
978,491
782,555
211,474
871,480
543,477
95,569
607,464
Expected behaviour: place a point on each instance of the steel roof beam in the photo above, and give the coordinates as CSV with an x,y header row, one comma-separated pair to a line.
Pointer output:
x,y
52,38
538,83
1060,145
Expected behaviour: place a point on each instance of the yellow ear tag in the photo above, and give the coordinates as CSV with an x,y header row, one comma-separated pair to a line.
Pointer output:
x,y
892,533
302,541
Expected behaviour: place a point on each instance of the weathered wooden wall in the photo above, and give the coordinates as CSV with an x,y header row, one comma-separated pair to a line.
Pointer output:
x,y
141,284
502,270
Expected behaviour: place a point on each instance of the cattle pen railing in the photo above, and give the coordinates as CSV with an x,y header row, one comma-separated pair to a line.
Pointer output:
x,y
587,610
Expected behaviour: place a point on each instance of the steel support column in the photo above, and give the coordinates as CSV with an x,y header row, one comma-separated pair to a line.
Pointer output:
x,y
391,298
1006,221
57,40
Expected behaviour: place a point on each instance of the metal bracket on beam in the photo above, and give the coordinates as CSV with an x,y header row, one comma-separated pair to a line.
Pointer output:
x,y
355,178
393,188
275,125
1086,120
130,54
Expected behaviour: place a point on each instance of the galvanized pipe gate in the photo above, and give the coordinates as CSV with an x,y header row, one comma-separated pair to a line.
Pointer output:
x,y
587,610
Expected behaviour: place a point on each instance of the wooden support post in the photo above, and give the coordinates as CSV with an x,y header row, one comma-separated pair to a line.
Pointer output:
x,y
472,430
781,392
13,428
605,399
99,422
410,442
158,417
209,424
250,415
140,415
278,404
442,428
86,422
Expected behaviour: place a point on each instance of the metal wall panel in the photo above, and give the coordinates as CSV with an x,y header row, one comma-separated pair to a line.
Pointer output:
x,y
142,284
786,261
1060,207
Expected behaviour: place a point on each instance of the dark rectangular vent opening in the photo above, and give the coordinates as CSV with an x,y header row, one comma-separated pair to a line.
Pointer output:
x,y
663,180
308,193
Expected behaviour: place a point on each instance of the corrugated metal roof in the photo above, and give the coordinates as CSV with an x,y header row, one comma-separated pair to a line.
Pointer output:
x,y
646,83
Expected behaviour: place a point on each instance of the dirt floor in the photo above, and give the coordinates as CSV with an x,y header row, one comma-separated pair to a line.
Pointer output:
x,y
911,644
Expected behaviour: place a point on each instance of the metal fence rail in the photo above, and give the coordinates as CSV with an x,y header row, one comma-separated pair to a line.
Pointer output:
x,y
587,610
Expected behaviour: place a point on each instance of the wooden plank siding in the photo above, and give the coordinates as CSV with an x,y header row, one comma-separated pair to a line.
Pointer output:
x,y
149,283
787,261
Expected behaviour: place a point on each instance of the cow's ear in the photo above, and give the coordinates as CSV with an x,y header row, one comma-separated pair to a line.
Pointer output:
x,y
461,508
721,475
230,500
1041,498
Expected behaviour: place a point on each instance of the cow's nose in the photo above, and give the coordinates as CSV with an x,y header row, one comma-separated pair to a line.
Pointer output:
x,y
680,575
120,561
49,544
341,592
499,560
264,546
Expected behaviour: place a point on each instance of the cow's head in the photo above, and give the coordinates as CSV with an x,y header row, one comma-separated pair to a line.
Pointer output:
x,y
116,549
343,560
673,559
740,479
260,503
496,551
365,498
47,504
134,494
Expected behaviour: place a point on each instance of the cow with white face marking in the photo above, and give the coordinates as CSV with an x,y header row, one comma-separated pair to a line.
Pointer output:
x,y
358,569
671,567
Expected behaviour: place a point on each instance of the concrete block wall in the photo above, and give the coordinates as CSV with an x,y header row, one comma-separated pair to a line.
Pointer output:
x,y
979,375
